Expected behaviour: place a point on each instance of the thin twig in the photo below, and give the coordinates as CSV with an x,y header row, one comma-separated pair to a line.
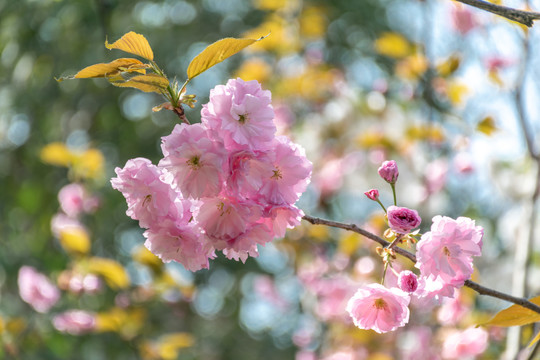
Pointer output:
x,y
521,16
482,290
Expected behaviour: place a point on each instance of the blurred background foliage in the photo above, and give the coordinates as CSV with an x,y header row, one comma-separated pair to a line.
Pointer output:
x,y
429,84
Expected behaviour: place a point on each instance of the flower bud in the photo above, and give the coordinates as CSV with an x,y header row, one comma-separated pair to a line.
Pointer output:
x,y
407,281
372,194
402,220
389,171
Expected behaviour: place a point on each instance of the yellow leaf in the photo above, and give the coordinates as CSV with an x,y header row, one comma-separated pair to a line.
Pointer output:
x,y
113,272
89,164
349,243
146,83
393,45
118,65
254,69
170,344
515,315
57,154
133,43
456,92
535,340
487,126
216,53
127,323
75,240
449,66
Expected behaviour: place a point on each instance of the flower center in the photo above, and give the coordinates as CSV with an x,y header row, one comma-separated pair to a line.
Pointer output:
x,y
242,119
194,163
147,200
446,251
379,304
277,174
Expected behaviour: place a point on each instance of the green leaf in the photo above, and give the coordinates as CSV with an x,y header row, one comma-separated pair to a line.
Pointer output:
x,y
515,315
216,53
133,43
146,83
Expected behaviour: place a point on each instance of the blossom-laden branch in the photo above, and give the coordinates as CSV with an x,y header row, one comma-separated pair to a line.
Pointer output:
x,y
521,16
482,290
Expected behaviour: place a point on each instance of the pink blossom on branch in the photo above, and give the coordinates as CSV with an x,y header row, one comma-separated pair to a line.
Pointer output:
x,y
37,290
380,309
241,114
444,255
402,220
291,172
195,163
149,199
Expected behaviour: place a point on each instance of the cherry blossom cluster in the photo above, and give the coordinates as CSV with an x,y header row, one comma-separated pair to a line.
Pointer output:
x,y
444,258
226,184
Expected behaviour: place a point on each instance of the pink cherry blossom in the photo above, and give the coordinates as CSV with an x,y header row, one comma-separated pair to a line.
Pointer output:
x,y
407,281
149,198
240,113
463,19
75,322
247,172
194,161
179,242
279,218
233,224
467,343
402,220
389,171
291,172
380,309
37,290
444,255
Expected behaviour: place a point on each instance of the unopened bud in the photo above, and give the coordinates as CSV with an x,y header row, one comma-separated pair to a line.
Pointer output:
x,y
372,194
389,171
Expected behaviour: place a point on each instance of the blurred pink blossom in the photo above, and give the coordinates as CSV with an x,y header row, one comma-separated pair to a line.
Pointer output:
x,y
463,163
74,199
378,308
435,174
463,19
452,310
37,290
75,322
467,343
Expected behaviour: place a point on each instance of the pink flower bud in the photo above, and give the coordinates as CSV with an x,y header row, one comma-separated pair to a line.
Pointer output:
x,y
389,171
407,281
402,220
372,194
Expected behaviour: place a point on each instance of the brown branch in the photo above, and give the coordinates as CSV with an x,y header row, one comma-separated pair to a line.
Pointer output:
x,y
521,16
482,290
